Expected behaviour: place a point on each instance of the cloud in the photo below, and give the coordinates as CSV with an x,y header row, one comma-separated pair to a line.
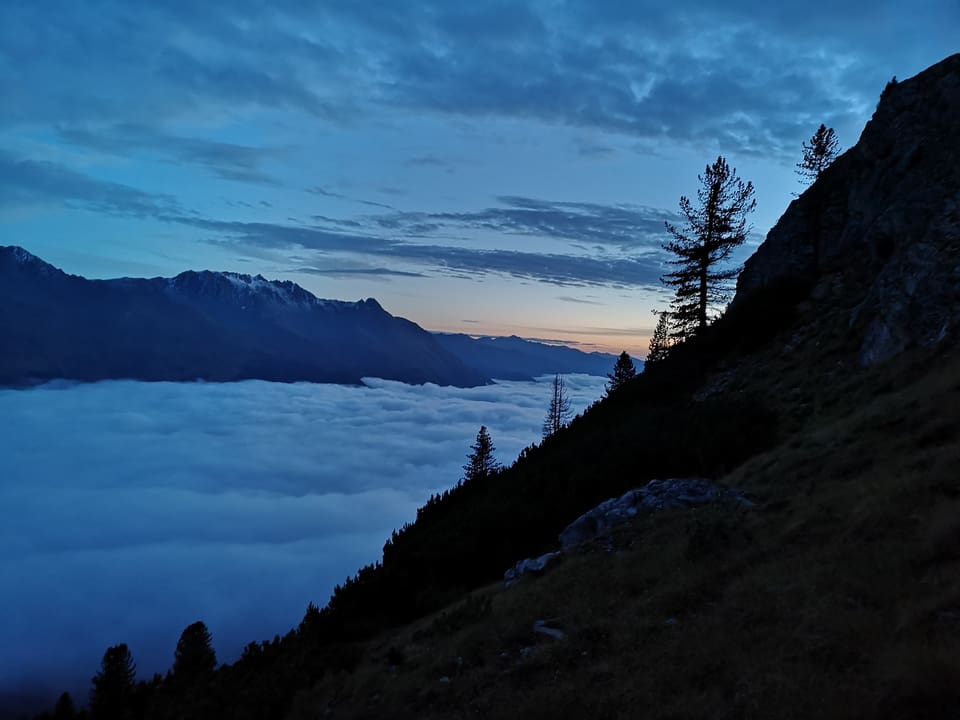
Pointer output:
x,y
323,192
393,236
431,160
354,271
557,269
623,226
404,237
227,161
748,75
626,239
35,182
581,301
150,505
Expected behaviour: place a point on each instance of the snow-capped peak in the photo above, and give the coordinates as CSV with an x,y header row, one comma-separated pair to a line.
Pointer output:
x,y
26,259
245,289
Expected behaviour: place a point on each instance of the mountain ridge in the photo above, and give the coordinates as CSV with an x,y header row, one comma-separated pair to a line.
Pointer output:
x,y
516,358
203,325
223,326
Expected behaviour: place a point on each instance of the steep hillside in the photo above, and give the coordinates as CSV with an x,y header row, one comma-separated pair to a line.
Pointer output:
x,y
202,325
837,595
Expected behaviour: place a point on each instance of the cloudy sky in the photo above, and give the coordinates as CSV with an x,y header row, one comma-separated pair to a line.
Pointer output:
x,y
493,166
130,510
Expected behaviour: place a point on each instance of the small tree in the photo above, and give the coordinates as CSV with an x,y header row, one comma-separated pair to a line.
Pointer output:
x,y
480,461
113,687
623,372
194,659
558,414
660,342
711,231
64,709
818,154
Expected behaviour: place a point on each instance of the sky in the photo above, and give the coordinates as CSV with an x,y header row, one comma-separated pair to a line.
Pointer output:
x,y
130,510
492,167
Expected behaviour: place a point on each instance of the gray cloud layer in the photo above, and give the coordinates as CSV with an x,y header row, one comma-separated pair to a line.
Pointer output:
x,y
31,182
129,510
751,74
227,161
624,240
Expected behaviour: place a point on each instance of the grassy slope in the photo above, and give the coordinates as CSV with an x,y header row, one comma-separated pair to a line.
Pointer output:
x,y
838,595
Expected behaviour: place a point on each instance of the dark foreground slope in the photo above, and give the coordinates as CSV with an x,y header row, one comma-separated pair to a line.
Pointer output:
x,y
836,595
202,326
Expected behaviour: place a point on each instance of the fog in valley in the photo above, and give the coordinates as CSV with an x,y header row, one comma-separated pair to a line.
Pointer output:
x,y
129,510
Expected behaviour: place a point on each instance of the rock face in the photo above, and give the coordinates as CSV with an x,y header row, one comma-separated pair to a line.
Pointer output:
x,y
655,495
885,217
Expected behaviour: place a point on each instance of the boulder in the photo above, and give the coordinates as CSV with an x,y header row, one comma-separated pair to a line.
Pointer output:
x,y
530,565
655,495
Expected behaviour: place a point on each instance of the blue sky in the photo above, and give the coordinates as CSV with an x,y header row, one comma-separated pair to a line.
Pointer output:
x,y
487,167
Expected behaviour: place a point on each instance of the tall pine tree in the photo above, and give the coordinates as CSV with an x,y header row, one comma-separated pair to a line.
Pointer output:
x,y
711,230
623,372
818,154
558,414
111,697
194,659
660,341
480,462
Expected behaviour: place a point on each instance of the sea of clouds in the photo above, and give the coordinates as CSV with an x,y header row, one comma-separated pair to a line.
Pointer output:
x,y
129,510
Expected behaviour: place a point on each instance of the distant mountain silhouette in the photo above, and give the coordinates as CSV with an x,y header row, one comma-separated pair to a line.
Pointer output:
x,y
513,358
214,326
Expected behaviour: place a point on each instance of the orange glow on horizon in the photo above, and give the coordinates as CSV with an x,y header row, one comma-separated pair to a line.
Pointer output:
x,y
586,340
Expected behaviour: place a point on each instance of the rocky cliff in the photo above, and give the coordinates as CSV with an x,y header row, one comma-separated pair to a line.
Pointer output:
x,y
882,224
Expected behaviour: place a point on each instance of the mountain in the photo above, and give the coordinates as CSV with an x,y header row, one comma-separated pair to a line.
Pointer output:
x,y
214,326
513,358
828,395
882,224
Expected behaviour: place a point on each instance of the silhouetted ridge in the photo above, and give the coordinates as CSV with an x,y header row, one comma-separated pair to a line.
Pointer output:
x,y
880,230
216,326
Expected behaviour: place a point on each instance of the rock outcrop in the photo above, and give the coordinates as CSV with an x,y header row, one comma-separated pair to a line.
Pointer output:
x,y
655,495
885,217
598,522
529,566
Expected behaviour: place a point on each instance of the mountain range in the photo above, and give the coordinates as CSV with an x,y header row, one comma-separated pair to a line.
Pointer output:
x,y
515,358
223,326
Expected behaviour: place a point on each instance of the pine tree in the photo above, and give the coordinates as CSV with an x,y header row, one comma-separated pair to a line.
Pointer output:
x,y
709,235
480,462
660,342
818,154
64,709
558,413
623,372
194,659
112,694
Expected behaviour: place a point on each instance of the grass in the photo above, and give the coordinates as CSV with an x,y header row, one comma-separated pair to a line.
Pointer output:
x,y
836,596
